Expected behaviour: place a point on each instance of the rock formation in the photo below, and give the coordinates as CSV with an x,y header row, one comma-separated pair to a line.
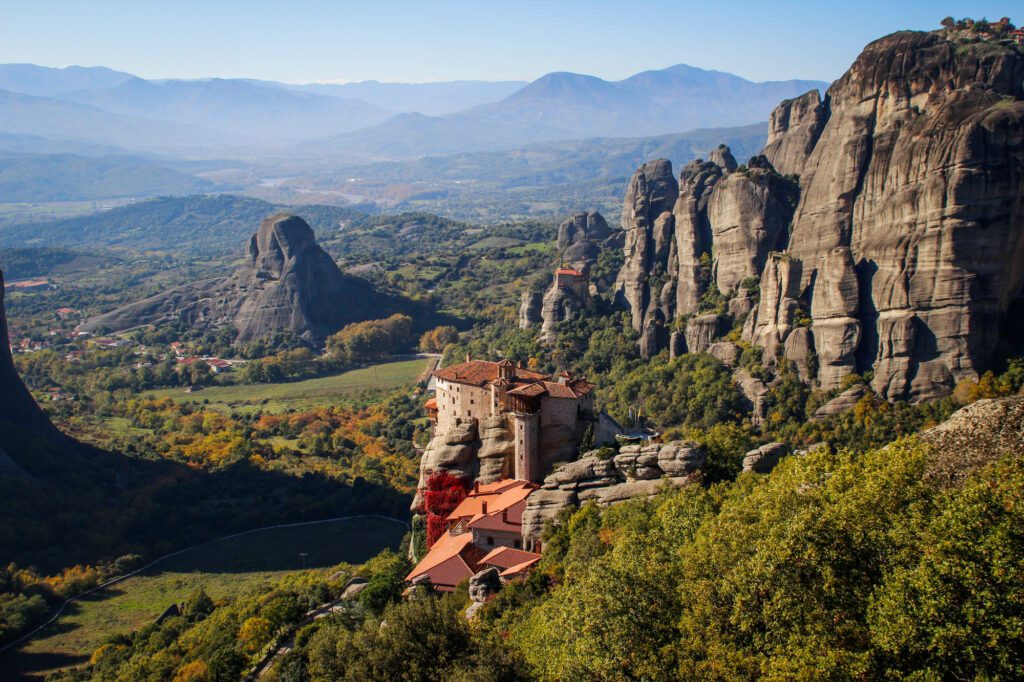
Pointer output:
x,y
724,222
580,240
763,459
793,130
636,471
287,283
905,257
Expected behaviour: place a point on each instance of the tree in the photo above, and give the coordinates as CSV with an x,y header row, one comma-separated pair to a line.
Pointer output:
x,y
254,634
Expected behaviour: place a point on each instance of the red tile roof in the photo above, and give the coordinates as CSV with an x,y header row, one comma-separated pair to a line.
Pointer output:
x,y
507,557
518,569
431,404
452,559
496,501
568,271
498,522
482,372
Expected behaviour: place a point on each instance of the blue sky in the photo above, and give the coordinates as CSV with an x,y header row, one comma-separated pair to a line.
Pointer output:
x,y
307,40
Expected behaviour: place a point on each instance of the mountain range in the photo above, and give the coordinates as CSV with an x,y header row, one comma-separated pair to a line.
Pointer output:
x,y
370,120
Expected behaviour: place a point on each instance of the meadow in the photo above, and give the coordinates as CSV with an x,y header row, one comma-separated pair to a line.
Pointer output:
x,y
352,387
223,568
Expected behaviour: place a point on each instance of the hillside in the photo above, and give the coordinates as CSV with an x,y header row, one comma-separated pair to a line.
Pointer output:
x,y
66,177
189,225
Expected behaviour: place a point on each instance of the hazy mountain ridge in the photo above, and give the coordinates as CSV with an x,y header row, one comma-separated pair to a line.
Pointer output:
x,y
563,106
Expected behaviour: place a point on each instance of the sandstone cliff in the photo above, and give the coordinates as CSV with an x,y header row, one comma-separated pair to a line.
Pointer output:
x,y
287,283
902,251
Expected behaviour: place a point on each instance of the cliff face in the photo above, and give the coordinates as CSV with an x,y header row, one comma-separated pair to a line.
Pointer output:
x,y
718,232
905,255
288,282
24,428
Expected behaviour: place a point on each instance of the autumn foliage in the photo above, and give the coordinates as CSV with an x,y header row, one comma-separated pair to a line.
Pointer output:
x,y
443,494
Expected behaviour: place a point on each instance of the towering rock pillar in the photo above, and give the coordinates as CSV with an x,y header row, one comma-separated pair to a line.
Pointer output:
x,y
527,439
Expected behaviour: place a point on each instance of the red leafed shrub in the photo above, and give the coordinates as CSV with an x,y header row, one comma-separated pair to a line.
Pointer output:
x,y
443,494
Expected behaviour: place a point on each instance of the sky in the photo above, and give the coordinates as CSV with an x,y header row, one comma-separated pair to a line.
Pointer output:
x,y
302,41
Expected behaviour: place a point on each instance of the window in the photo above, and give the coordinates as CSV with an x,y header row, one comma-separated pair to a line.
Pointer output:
x,y
490,542
519,544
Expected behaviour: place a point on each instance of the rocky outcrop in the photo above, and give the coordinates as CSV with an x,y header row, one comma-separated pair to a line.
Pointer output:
x,y
580,240
702,330
585,226
636,471
722,157
793,130
765,458
973,437
723,216
530,309
286,283
779,309
726,352
25,431
917,171
749,214
834,303
904,255
560,304
484,584
756,393
842,402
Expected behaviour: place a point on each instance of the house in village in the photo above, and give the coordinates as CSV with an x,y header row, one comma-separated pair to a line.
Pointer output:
x,y
484,530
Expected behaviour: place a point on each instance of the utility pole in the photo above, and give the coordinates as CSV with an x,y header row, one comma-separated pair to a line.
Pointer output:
x,y
303,555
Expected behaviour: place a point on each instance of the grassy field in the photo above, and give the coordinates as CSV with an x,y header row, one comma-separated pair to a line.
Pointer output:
x,y
221,568
355,386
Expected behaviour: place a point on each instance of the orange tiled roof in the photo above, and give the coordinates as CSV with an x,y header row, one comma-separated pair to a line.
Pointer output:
x,y
431,404
452,559
496,502
482,372
507,557
519,569
494,522
568,271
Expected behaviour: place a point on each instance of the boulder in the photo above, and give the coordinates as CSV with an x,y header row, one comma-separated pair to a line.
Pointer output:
x,y
763,459
544,505
484,584
726,352
678,459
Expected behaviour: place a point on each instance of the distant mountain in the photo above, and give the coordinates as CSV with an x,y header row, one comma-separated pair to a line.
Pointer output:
x,y
43,81
67,177
34,144
433,99
63,120
566,106
235,105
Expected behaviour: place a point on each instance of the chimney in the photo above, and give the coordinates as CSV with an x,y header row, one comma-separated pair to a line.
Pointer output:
x,y
483,507
476,487
504,515
468,358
